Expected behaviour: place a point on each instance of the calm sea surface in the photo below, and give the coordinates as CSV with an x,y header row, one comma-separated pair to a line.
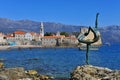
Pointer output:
x,y
59,62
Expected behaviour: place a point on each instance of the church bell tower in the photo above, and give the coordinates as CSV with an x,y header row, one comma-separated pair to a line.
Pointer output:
x,y
41,29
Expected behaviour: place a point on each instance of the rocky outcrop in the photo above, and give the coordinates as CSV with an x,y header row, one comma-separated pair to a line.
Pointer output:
x,y
21,74
1,65
89,72
12,74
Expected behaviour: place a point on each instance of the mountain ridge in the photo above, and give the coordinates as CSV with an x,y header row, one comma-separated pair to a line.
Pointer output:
x,y
108,33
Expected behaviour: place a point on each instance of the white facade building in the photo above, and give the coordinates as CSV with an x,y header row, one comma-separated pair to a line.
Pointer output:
x,y
19,35
2,39
29,36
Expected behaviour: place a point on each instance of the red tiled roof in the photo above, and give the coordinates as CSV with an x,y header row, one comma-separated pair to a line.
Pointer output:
x,y
32,33
72,38
19,32
38,35
54,36
1,34
9,36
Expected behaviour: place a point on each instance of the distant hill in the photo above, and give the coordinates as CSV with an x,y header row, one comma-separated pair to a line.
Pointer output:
x,y
109,34
7,25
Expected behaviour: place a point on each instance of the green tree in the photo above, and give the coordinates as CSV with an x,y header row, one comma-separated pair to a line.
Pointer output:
x,y
64,33
48,34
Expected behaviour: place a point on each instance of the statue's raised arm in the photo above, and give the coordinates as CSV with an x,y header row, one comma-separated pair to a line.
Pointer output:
x,y
96,21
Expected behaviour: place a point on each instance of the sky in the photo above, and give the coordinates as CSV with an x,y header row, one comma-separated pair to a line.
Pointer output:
x,y
70,12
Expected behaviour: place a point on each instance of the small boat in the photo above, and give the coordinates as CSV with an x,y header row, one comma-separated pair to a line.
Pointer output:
x,y
107,43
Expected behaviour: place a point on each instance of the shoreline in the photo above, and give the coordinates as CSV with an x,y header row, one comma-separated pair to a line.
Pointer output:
x,y
33,46
18,47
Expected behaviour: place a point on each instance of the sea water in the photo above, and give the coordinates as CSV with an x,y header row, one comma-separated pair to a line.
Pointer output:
x,y
59,62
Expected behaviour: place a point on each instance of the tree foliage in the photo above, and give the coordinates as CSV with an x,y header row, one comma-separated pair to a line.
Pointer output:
x,y
48,34
64,33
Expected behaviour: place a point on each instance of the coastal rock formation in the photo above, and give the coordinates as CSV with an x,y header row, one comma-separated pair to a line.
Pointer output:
x,y
89,72
12,74
1,65
21,74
